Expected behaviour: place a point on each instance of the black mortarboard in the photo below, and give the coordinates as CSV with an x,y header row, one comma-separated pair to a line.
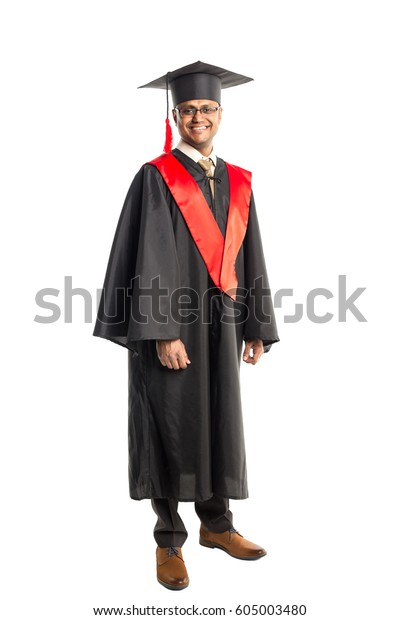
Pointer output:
x,y
196,81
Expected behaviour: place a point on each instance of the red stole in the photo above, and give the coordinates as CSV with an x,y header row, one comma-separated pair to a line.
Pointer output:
x,y
219,254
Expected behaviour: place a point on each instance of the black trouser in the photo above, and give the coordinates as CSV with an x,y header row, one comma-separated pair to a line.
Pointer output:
x,y
170,530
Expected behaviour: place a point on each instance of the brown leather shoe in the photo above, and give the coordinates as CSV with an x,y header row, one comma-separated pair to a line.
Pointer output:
x,y
232,542
171,569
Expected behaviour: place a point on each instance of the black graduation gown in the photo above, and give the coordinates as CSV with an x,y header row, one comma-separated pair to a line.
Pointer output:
x,y
184,426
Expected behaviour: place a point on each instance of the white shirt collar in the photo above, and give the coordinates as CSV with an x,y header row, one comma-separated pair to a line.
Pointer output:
x,y
194,154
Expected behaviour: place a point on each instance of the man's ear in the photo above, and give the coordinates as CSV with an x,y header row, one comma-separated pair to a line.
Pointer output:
x,y
174,116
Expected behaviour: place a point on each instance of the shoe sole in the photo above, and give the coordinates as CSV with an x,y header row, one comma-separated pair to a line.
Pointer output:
x,y
206,543
170,587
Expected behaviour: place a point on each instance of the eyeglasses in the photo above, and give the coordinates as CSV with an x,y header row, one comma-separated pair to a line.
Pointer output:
x,y
207,111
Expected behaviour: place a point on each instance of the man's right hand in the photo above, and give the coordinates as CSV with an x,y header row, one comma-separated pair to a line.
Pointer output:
x,y
172,354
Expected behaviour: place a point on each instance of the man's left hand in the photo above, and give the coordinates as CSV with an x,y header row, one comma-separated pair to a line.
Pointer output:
x,y
253,351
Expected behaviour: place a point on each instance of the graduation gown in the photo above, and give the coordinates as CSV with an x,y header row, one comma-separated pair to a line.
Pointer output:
x,y
185,428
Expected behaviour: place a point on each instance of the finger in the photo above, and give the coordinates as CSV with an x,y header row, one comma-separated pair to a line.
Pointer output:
x,y
247,350
182,363
185,355
181,358
258,351
175,363
248,360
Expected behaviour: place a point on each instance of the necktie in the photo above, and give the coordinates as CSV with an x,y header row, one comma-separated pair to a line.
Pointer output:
x,y
207,164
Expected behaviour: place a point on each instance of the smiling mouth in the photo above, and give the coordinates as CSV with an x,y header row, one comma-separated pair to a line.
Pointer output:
x,y
199,128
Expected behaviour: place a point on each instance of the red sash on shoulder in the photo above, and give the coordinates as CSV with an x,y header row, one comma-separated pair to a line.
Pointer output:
x,y
219,254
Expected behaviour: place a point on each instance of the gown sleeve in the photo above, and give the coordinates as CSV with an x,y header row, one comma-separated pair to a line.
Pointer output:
x,y
142,269
260,322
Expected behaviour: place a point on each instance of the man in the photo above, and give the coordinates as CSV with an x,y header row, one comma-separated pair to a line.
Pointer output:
x,y
185,286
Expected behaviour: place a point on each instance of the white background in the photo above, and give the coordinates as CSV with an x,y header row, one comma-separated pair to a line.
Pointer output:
x,y
319,128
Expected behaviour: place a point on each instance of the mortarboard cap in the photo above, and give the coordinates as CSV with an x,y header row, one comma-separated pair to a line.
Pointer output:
x,y
196,81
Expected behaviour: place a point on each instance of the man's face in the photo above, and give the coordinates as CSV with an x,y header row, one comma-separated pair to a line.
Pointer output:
x,y
200,129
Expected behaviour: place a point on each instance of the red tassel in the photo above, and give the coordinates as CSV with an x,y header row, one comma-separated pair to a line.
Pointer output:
x,y
168,136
